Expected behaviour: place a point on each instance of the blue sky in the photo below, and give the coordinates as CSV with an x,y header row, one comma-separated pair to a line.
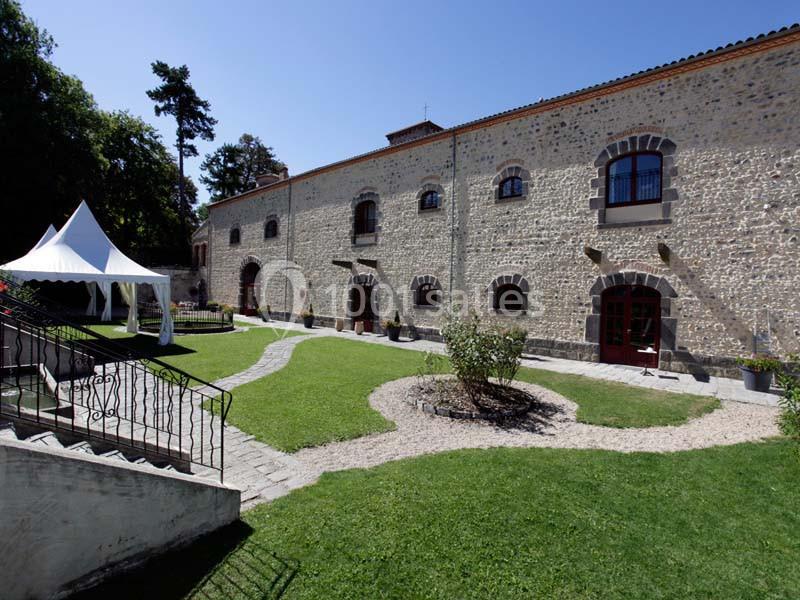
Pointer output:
x,y
322,81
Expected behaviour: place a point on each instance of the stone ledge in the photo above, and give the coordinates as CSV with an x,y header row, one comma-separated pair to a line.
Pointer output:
x,y
649,223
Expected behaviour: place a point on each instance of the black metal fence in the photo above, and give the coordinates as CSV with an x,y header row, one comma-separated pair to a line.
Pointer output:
x,y
185,318
67,378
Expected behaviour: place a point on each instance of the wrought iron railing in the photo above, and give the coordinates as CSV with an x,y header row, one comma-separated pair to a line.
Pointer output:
x,y
185,317
66,377
643,186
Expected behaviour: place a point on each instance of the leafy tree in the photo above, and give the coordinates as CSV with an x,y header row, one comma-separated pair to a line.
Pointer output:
x,y
48,135
138,201
176,97
232,168
202,212
224,172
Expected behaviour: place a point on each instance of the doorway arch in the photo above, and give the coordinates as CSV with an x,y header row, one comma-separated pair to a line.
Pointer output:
x,y
362,301
248,293
630,329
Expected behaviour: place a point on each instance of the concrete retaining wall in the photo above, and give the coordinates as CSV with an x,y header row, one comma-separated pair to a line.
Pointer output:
x,y
68,520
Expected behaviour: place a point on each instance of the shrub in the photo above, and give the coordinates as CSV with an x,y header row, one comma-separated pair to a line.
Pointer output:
x,y
228,309
308,313
392,323
212,306
470,353
506,348
789,418
759,363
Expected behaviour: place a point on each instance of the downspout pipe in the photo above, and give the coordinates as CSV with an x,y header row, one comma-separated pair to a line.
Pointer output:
x,y
452,222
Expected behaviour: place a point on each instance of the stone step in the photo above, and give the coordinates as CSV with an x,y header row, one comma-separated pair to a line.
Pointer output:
x,y
84,447
114,454
46,438
7,431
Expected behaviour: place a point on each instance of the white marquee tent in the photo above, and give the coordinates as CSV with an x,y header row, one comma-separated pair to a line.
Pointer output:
x,y
51,231
82,252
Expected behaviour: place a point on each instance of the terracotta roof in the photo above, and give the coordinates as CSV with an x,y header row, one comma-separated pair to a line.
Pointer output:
x,y
764,41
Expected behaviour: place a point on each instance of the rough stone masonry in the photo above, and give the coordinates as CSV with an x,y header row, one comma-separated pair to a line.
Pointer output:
x,y
720,248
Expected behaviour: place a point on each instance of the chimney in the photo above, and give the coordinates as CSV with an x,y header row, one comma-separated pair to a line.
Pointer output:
x,y
266,179
284,174
414,132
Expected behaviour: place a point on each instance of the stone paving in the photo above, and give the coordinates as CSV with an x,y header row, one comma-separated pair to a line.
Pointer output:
x,y
263,473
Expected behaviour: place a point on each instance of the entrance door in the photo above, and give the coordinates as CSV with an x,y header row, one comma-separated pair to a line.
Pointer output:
x,y
361,306
248,294
630,326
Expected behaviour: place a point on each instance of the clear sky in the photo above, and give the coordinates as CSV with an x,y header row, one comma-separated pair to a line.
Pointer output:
x,y
322,81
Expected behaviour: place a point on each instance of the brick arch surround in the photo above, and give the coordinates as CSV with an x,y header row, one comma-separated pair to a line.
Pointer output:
x,y
364,195
660,284
363,279
247,260
511,168
636,143
515,279
430,187
422,280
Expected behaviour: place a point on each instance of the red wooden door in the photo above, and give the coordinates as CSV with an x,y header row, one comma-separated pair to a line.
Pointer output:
x,y
630,323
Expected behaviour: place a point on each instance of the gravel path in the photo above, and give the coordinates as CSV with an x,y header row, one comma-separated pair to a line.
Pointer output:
x,y
555,427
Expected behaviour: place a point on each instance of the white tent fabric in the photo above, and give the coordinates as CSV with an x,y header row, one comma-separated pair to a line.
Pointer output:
x,y
91,309
51,231
81,251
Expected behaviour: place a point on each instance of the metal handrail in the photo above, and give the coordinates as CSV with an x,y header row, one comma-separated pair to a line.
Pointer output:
x,y
108,391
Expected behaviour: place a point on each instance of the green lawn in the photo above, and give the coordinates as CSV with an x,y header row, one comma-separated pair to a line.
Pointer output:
x,y
619,405
208,356
321,395
513,523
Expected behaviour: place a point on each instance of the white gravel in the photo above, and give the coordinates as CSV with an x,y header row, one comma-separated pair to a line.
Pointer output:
x,y
418,433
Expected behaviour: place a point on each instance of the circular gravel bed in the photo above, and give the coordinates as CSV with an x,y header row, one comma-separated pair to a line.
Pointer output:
x,y
551,423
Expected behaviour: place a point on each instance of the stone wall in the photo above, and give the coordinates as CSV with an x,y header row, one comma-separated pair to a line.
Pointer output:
x,y
730,136
71,519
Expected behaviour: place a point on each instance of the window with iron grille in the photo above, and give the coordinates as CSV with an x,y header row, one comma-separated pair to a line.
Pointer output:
x,y
511,187
634,179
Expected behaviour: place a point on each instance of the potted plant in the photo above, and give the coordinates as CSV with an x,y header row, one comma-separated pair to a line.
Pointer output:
x,y
358,327
266,314
392,327
757,371
308,317
339,324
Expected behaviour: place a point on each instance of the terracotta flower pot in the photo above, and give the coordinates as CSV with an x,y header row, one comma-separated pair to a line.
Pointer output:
x,y
339,324
359,327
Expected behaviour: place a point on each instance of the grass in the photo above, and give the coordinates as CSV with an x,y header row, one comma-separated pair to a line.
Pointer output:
x,y
321,395
512,523
613,404
209,356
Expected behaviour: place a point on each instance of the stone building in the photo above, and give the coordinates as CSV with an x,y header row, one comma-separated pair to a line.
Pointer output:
x,y
650,219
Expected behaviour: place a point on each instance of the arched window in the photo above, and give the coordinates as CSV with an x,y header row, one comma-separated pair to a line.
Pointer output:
x,y
634,178
365,220
235,236
428,294
429,200
511,187
509,298
271,229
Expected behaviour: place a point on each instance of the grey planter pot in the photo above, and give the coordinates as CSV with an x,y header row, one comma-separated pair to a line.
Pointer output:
x,y
308,322
757,381
393,333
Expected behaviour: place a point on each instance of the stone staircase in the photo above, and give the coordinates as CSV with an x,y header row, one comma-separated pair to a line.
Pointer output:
x,y
63,441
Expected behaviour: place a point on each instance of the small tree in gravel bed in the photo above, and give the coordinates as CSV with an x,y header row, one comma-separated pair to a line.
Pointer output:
x,y
476,355
470,355
506,348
